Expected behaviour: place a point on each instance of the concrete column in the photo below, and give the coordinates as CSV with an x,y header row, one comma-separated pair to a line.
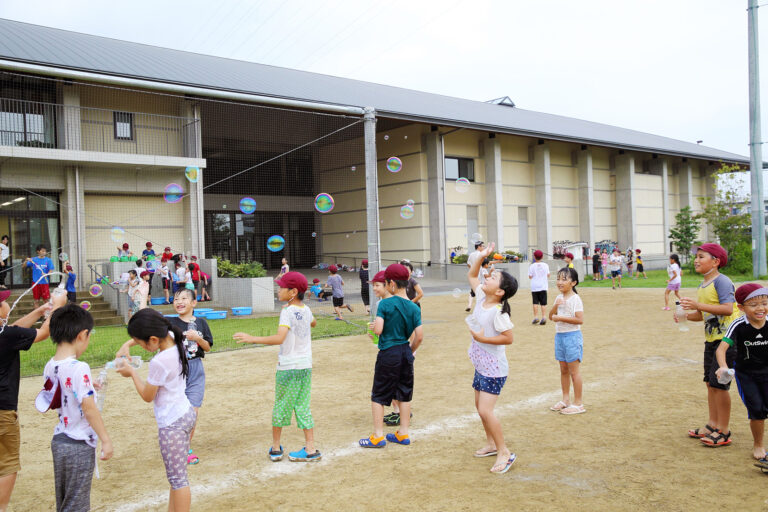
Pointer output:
x,y
586,197
543,182
194,228
661,165
494,201
433,147
685,188
73,237
708,171
625,201
69,134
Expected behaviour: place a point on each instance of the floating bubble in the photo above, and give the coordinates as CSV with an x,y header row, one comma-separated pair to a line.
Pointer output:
x,y
386,137
152,265
173,193
275,243
63,256
410,202
407,212
462,185
405,138
314,234
394,164
324,202
476,237
347,235
117,234
247,205
95,290
456,293
354,168
85,305
192,174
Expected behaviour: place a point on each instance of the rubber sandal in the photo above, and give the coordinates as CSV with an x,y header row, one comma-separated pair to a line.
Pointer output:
x,y
486,454
303,456
396,438
370,442
717,438
543,322
510,461
698,434
762,464
192,459
573,409
535,321
559,406
275,456
393,420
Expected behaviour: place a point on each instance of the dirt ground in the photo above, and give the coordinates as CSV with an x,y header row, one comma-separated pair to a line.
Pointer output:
x,y
630,451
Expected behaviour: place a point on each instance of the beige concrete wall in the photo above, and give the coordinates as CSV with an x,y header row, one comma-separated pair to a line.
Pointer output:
x,y
649,213
518,189
565,192
464,144
604,184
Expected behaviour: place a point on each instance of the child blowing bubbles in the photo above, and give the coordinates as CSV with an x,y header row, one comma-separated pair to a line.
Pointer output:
x,y
165,387
568,314
492,330
293,380
749,334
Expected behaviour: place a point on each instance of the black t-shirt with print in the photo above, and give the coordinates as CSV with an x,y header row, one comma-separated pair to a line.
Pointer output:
x,y
201,325
751,346
12,340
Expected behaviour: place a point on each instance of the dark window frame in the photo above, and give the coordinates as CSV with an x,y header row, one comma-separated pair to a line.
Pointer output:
x,y
128,119
465,171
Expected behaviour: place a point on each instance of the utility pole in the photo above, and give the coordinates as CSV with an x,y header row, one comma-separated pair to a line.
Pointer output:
x,y
755,146
372,199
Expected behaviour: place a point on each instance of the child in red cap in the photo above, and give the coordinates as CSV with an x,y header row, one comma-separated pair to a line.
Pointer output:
x,y
397,318
167,255
337,286
640,268
149,251
293,380
124,250
749,336
715,305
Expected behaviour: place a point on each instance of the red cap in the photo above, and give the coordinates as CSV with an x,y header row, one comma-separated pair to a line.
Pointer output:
x,y
538,254
396,272
69,267
193,257
333,269
365,263
168,249
145,273
569,255
293,280
379,278
315,280
749,290
716,251
638,251
149,244
4,294
125,246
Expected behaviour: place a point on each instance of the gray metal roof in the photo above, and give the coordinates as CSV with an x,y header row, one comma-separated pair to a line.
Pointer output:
x,y
71,50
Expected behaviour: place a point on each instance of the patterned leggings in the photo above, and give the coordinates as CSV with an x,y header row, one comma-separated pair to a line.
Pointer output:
x,y
174,447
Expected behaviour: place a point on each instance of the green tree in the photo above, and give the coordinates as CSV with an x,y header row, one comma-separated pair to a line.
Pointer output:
x,y
683,234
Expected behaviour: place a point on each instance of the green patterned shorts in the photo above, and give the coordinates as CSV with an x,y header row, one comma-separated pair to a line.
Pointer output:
x,y
292,389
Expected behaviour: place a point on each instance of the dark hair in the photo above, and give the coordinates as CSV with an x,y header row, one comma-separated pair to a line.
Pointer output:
x,y
508,283
300,295
181,291
478,244
40,247
139,262
399,284
148,322
571,274
407,263
485,262
133,271
676,258
69,321
4,237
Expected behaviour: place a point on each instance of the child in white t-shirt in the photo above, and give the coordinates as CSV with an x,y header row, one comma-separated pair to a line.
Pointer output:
x,y
491,331
675,279
165,274
616,261
80,423
293,380
568,315
165,386
538,273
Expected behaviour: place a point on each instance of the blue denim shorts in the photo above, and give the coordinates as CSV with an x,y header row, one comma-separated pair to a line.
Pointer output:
x,y
569,346
490,385
195,382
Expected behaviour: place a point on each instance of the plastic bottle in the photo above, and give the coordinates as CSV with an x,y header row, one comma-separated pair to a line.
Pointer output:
x,y
192,345
473,324
134,361
101,393
373,336
57,292
726,376
680,313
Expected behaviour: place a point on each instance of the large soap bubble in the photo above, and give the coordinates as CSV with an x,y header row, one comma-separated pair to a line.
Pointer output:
x,y
247,205
173,193
324,202
275,243
394,164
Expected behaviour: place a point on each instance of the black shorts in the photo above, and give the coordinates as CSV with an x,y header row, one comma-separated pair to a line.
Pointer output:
x,y
393,375
711,366
365,294
753,390
471,293
166,283
540,297
72,296
640,267
338,302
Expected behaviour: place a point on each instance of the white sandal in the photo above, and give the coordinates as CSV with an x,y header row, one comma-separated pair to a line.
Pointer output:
x,y
574,409
559,406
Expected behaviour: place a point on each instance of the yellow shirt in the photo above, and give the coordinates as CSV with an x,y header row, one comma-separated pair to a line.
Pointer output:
x,y
719,291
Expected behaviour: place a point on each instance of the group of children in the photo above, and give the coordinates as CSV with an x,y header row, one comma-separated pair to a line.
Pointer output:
x,y
604,265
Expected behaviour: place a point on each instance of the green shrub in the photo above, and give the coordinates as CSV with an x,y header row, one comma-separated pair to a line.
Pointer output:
x,y
740,259
461,259
247,269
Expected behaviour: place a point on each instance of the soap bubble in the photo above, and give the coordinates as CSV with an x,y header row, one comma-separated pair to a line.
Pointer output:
x,y
347,235
476,237
314,234
410,202
85,305
192,174
151,265
394,164
456,293
95,290
275,243
117,234
407,212
354,168
173,193
324,202
63,256
247,205
462,185
386,137
405,138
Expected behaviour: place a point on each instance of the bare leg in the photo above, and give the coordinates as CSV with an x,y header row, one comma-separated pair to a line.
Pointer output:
x,y
711,404
490,445
758,428
723,404
197,417
492,426
180,500
565,382
666,298
6,488
405,417
309,439
543,312
534,311
396,406
378,419
276,431
575,372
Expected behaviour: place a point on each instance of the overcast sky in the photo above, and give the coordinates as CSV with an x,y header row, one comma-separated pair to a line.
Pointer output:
x,y
676,68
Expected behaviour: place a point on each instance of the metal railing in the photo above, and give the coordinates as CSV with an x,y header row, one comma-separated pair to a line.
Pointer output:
x,y
50,125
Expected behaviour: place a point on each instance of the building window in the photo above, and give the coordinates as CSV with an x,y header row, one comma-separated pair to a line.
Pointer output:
x,y
123,125
456,168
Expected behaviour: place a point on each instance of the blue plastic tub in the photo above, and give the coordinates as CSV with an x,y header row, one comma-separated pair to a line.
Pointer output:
x,y
216,315
172,316
157,301
202,312
242,311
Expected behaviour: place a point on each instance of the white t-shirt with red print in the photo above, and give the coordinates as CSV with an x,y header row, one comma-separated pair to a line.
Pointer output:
x,y
75,382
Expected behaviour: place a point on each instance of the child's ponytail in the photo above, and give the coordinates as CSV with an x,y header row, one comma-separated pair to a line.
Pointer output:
x,y
508,284
148,322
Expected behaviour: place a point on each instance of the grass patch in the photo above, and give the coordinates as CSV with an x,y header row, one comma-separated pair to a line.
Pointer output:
x,y
105,341
658,279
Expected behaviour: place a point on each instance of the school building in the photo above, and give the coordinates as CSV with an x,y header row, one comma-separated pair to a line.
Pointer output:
x,y
93,130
